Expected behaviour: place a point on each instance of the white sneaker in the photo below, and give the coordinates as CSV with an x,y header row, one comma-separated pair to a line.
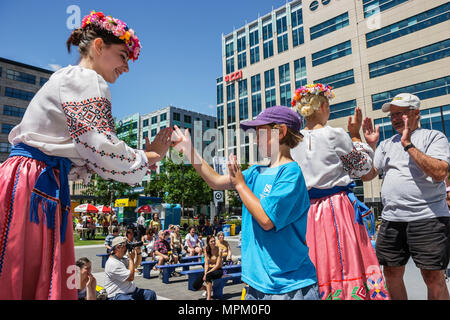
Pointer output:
x,y
204,294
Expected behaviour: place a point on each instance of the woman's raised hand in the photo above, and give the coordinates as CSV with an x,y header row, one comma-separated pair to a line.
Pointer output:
x,y
372,135
182,141
159,147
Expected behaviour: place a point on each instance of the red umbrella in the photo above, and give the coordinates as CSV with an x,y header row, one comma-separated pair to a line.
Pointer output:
x,y
104,209
144,209
86,208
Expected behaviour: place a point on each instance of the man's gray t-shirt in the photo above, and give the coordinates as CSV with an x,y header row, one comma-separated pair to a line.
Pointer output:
x,y
116,273
407,193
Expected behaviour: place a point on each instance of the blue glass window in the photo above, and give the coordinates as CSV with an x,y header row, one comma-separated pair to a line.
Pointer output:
x,y
418,22
230,92
254,55
231,112
314,5
436,51
229,49
332,53
343,109
270,98
386,130
437,118
19,94
283,43
220,93
242,88
269,78
20,76
372,7
256,104
243,109
338,80
6,127
256,83
268,49
300,72
241,44
242,60
328,26
230,65
423,90
42,81
220,115
13,111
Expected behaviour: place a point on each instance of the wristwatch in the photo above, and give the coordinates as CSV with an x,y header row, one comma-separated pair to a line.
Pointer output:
x,y
409,146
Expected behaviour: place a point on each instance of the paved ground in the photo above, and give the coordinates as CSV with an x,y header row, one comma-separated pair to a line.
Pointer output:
x,y
177,288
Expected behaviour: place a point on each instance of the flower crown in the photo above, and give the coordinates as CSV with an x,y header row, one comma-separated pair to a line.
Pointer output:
x,y
116,27
316,89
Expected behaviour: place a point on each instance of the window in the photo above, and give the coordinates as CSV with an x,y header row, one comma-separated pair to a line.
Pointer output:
x,y
220,93
230,92
13,111
42,81
269,83
342,109
229,50
436,51
154,132
231,112
282,38
5,147
423,90
297,27
243,108
256,95
187,119
418,22
20,76
176,116
163,117
154,119
338,80
269,78
241,43
242,60
300,72
372,7
267,38
242,88
328,26
220,115
19,94
314,5
437,118
285,85
145,123
230,65
254,45
332,53
6,127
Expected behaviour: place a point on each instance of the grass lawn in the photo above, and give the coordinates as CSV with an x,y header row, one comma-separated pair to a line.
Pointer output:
x,y
99,239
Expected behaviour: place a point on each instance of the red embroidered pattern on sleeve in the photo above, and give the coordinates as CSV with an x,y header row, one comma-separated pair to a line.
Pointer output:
x,y
89,114
354,160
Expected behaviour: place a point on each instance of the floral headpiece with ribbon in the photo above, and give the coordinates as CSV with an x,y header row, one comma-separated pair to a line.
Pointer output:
x,y
116,27
316,89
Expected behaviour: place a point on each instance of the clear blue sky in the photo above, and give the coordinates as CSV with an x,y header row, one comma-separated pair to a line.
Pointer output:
x,y
181,40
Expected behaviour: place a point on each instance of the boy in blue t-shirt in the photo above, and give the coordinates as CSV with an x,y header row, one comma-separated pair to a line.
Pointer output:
x,y
275,260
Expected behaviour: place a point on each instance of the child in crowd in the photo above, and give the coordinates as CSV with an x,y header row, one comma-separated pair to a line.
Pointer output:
x,y
339,245
275,261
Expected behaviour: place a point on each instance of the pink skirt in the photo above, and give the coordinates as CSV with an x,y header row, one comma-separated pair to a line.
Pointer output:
x,y
346,264
34,264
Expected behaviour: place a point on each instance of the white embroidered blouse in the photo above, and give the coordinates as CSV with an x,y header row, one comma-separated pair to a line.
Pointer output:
x,y
328,158
70,116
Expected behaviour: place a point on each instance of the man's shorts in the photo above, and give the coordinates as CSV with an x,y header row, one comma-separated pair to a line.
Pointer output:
x,y
427,241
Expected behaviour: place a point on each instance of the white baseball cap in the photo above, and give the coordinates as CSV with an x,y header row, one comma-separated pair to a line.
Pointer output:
x,y
403,100
118,240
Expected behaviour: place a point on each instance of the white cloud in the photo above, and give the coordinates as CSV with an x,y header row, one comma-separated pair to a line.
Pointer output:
x,y
54,67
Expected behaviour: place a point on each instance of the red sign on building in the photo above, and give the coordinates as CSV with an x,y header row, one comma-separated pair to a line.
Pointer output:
x,y
233,76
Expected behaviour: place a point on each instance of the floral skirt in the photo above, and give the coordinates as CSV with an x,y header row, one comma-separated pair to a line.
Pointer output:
x,y
34,264
346,264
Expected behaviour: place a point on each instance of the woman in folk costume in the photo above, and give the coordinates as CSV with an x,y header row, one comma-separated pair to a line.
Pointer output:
x,y
67,132
339,244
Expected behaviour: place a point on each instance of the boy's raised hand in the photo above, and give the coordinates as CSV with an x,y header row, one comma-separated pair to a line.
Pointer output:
x,y
234,171
182,141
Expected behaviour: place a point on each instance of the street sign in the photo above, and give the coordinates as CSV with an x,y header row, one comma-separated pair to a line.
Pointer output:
x,y
218,196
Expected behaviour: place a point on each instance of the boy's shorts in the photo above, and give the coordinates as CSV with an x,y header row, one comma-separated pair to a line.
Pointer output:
x,y
307,293
427,241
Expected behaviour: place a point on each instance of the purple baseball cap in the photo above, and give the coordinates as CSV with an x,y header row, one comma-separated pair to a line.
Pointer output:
x,y
275,115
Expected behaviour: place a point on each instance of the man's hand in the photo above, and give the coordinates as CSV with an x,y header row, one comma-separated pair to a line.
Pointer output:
x,y
372,136
406,133
354,124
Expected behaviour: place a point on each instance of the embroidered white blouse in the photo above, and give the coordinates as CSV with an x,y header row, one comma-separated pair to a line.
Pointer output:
x,y
329,158
70,116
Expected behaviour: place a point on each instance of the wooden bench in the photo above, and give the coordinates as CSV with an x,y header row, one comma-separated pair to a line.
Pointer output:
x,y
195,274
167,269
148,266
218,284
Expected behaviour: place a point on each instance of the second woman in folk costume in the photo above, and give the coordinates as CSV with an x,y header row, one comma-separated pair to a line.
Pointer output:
x,y
339,245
